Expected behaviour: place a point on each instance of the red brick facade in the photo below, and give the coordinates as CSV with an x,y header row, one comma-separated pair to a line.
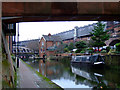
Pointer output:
x,y
114,31
43,45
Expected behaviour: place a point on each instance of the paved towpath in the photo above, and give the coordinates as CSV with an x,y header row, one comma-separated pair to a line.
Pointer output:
x,y
29,79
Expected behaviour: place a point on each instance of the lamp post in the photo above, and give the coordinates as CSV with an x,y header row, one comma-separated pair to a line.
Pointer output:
x,y
18,46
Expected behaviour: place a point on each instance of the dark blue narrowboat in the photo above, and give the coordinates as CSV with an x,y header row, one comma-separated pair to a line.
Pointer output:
x,y
93,60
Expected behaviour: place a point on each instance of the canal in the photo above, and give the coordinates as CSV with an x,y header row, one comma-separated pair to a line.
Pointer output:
x,y
73,76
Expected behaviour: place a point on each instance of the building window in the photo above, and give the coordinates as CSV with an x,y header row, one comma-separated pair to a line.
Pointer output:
x,y
10,26
41,50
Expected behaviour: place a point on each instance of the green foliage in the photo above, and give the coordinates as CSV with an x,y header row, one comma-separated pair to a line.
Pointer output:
x,y
82,52
108,49
80,46
104,51
117,46
66,49
99,35
112,51
15,79
71,46
77,51
90,50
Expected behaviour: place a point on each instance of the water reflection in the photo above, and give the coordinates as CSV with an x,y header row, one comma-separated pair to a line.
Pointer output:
x,y
50,69
85,76
73,76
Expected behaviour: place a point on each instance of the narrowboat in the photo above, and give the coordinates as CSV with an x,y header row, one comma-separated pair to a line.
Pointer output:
x,y
93,60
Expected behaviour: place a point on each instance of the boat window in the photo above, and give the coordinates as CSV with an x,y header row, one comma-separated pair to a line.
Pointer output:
x,y
83,58
77,59
94,58
88,58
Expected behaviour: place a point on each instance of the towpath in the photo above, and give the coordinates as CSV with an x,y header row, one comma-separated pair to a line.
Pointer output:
x,y
29,79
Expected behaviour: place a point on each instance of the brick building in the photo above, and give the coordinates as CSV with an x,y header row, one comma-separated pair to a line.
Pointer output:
x,y
77,34
83,33
113,29
48,44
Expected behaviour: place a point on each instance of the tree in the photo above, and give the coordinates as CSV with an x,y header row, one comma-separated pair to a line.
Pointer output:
x,y
80,46
99,35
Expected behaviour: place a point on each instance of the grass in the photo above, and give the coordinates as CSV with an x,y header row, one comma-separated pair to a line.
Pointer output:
x,y
43,77
15,79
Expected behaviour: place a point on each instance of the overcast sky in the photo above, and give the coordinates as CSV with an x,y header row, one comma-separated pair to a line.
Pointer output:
x,y
35,30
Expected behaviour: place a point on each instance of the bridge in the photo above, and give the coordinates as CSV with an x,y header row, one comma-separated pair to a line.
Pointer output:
x,y
15,12
112,41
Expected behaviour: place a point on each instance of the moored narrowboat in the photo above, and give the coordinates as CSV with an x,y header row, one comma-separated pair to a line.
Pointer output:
x,y
88,60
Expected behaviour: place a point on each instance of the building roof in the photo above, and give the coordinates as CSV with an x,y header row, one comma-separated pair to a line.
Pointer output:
x,y
82,31
52,38
66,35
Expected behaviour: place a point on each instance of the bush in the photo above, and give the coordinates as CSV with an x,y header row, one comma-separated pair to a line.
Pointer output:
x,y
82,52
108,49
117,46
104,51
80,45
66,50
117,52
112,51
90,50
77,51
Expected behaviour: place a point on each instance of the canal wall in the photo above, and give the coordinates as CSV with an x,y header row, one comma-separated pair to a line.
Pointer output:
x,y
112,61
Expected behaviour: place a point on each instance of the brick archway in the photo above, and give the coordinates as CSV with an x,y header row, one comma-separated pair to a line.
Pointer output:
x,y
112,41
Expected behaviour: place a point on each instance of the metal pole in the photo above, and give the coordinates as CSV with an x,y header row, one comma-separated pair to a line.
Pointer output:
x,y
18,47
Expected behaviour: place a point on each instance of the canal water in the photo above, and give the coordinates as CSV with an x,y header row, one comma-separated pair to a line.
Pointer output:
x,y
73,76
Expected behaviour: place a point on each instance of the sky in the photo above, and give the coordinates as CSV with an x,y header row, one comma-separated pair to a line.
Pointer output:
x,y
35,30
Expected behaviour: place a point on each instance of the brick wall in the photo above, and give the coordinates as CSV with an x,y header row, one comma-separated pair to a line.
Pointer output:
x,y
49,44
46,45
42,47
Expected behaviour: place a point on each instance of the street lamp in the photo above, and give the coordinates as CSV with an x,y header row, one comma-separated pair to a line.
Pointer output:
x,y
18,46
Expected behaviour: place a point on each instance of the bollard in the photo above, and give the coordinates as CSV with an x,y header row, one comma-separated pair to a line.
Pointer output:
x,y
17,62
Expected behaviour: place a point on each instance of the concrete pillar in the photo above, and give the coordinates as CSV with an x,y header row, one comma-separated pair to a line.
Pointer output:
x,y
0,48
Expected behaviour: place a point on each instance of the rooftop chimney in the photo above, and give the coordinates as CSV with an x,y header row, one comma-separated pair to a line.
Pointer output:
x,y
49,34
75,32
